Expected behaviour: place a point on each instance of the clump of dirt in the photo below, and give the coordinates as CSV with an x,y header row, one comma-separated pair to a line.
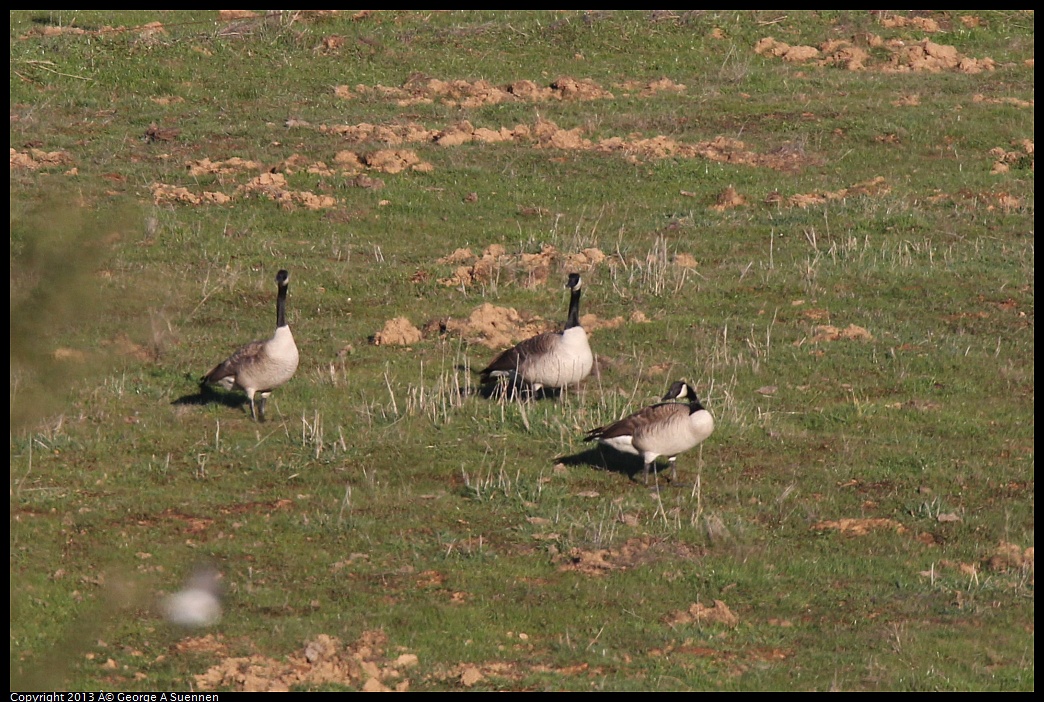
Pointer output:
x,y
34,159
470,674
779,49
1005,159
934,58
271,181
684,260
273,186
567,88
719,149
409,132
468,95
699,613
124,346
828,332
147,30
1009,556
924,55
925,24
634,553
979,98
545,134
230,15
323,661
859,527
907,101
202,644
397,332
972,200
501,327
533,269
871,188
163,194
396,161
663,85
496,327
66,354
728,199
592,322
458,256
473,269
584,260
157,133
235,164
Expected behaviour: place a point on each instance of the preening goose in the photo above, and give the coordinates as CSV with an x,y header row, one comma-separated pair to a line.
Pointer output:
x,y
261,366
664,429
551,359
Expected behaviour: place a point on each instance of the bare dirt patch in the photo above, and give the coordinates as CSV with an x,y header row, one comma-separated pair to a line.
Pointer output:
x,y
1009,556
545,134
322,661
472,94
272,184
147,30
35,159
828,332
874,187
699,613
858,527
532,269
397,332
925,24
663,85
500,327
902,57
497,327
1005,160
634,553
979,98
728,199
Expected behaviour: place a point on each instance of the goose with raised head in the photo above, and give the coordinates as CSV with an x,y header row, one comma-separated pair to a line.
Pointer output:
x,y
667,429
549,360
261,366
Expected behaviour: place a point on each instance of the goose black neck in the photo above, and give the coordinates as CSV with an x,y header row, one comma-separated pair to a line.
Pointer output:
x,y
574,309
281,306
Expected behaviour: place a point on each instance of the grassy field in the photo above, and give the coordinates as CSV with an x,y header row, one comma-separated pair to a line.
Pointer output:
x,y
823,221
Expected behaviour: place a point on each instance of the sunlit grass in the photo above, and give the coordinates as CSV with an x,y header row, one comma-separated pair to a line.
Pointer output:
x,y
866,347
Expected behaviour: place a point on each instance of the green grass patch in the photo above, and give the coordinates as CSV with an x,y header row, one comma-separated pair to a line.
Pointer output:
x,y
839,258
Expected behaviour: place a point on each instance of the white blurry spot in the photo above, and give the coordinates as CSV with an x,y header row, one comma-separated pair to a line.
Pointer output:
x,y
199,604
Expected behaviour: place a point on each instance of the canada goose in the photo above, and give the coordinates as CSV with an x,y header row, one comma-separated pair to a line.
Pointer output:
x,y
261,366
664,429
551,359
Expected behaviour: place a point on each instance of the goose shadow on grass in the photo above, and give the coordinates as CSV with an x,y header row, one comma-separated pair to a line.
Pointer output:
x,y
610,460
206,395
502,388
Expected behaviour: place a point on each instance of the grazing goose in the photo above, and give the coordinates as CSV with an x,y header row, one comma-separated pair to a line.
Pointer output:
x,y
664,429
551,359
261,366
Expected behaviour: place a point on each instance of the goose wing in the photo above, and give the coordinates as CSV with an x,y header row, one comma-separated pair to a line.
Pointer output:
x,y
510,360
243,357
639,422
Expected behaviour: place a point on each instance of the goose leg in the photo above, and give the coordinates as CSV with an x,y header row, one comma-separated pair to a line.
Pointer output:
x,y
674,468
253,410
